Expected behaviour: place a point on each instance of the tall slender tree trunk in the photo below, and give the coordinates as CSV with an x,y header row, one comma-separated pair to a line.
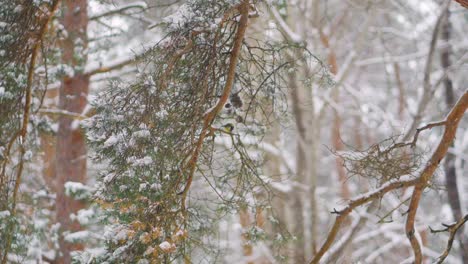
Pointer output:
x,y
301,167
449,164
71,148
336,135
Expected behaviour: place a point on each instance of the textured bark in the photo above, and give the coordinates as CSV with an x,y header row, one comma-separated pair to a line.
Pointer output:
x,y
71,148
449,164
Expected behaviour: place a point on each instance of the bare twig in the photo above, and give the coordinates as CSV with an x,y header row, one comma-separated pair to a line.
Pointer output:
x,y
452,229
61,112
115,66
363,199
382,219
119,10
428,126
332,255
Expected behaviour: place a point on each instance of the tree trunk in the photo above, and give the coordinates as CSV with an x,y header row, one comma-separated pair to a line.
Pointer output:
x,y
244,217
449,164
336,135
301,167
71,148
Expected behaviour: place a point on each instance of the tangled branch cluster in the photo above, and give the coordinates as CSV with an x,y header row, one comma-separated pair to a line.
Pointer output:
x,y
384,161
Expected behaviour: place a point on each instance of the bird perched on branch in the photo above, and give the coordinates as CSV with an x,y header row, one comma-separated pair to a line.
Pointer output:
x,y
228,128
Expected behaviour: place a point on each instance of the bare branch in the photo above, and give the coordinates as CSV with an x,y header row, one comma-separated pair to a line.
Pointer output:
x,y
119,10
287,32
112,67
452,229
428,126
463,3
333,254
363,199
61,112
451,124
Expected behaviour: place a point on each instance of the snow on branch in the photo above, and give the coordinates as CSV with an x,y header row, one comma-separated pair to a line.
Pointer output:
x,y
284,28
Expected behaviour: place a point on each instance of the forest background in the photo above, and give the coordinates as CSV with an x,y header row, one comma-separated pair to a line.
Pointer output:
x,y
233,131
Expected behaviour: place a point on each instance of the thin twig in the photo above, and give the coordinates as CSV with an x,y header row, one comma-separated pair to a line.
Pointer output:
x,y
363,199
452,229
119,10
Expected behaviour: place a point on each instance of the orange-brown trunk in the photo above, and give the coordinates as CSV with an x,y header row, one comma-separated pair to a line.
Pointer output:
x,y
71,147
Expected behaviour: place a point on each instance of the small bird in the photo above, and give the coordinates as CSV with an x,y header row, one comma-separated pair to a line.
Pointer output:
x,y
228,128
236,101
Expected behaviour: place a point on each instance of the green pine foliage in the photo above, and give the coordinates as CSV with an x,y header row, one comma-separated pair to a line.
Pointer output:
x,y
148,131
20,22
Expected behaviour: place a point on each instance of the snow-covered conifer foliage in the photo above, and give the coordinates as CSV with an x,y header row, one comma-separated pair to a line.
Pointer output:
x,y
162,135
22,26
233,131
